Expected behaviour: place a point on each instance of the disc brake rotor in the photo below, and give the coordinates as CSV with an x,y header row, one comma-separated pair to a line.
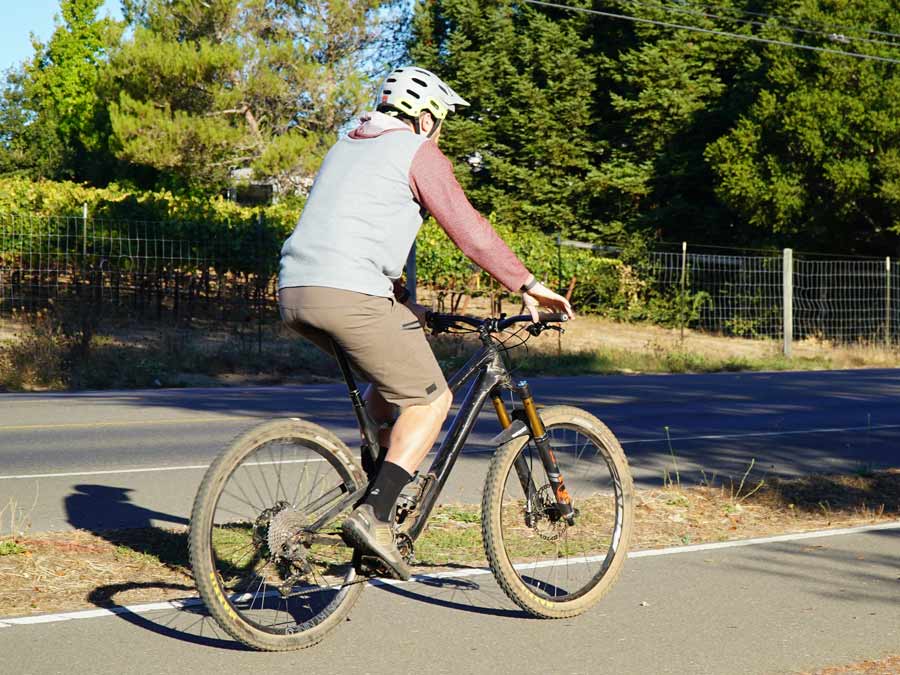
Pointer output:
x,y
547,523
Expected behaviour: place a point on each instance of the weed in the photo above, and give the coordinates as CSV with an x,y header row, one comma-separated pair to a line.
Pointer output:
x,y
11,547
674,461
739,496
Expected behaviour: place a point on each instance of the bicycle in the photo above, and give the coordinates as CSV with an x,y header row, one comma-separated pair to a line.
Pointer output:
x,y
556,510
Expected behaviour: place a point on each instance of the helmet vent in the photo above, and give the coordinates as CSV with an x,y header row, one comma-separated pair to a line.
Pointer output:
x,y
413,93
421,83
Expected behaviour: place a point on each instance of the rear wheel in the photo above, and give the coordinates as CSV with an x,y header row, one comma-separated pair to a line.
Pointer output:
x,y
266,579
548,567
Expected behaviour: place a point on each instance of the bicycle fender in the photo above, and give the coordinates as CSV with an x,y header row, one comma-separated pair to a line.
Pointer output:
x,y
515,430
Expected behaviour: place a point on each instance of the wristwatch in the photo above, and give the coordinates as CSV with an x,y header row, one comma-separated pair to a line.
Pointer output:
x,y
529,285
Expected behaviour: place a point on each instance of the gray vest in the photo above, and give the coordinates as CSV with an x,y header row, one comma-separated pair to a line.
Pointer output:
x,y
360,219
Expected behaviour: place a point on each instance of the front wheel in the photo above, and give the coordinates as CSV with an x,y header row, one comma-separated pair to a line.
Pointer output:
x,y
264,544
547,566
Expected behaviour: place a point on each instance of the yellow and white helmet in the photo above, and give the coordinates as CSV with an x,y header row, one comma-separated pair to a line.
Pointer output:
x,y
411,90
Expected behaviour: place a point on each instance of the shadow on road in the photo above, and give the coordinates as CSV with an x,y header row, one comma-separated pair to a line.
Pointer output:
x,y
190,623
464,595
106,507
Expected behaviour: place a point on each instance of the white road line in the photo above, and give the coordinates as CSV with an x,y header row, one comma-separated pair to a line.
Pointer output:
x,y
708,437
189,467
756,434
193,602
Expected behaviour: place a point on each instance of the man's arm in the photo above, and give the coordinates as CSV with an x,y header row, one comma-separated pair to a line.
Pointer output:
x,y
436,188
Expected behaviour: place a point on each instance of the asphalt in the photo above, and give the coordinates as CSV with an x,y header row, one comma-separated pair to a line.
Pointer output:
x,y
116,459
98,460
770,608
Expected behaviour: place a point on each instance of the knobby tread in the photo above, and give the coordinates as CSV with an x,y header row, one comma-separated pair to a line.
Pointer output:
x,y
201,522
491,506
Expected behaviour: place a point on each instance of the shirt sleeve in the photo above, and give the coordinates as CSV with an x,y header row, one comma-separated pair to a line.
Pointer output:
x,y
435,188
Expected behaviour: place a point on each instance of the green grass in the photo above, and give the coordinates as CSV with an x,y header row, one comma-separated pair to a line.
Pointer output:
x,y
11,547
613,361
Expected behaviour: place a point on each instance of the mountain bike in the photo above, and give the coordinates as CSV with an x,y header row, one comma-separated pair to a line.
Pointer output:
x,y
556,509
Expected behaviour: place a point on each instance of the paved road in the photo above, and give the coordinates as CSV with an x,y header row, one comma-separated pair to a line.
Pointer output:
x,y
100,460
772,608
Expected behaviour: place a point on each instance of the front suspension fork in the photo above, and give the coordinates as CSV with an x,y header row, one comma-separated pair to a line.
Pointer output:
x,y
542,441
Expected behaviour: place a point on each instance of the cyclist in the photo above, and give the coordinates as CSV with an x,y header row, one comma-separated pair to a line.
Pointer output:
x,y
340,270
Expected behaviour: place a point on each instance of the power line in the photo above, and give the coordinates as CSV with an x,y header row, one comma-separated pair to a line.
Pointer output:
x,y
697,29
808,21
836,37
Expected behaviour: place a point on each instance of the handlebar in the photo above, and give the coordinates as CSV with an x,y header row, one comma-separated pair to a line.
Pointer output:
x,y
442,322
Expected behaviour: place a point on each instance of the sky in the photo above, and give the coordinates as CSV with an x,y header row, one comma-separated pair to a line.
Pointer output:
x,y
20,18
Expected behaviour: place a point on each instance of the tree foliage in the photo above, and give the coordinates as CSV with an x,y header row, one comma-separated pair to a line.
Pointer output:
x,y
580,124
523,147
204,89
51,117
814,159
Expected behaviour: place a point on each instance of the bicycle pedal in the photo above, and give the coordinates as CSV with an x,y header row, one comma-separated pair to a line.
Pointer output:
x,y
369,566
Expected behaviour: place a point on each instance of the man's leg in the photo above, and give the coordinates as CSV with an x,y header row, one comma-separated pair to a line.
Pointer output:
x,y
414,431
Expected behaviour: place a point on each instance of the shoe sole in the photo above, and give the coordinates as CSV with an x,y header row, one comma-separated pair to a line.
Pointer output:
x,y
356,538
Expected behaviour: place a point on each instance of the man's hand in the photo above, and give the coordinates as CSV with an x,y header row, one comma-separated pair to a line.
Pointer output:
x,y
543,296
418,310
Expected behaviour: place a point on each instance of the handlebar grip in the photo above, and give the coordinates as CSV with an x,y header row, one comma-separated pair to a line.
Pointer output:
x,y
554,317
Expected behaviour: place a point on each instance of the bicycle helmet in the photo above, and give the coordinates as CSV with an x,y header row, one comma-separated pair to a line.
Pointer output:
x,y
410,91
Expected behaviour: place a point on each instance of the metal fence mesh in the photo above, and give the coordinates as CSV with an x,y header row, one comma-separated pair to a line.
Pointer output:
x,y
151,270
731,294
142,268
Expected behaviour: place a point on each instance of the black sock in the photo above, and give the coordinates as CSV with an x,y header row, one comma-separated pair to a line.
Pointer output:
x,y
390,481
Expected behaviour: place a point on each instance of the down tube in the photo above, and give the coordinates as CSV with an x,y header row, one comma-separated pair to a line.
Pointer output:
x,y
453,443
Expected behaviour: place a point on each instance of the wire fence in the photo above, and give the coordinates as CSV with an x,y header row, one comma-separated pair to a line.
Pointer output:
x,y
143,269
785,296
172,272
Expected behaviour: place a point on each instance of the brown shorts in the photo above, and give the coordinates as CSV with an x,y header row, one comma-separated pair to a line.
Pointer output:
x,y
382,338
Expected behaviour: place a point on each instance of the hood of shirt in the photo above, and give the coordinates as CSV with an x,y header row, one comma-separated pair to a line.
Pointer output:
x,y
374,123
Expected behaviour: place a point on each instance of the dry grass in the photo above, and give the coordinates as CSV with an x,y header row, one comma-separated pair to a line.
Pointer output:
x,y
41,356
72,570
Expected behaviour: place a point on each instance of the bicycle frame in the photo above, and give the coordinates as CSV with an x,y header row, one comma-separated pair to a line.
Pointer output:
x,y
489,378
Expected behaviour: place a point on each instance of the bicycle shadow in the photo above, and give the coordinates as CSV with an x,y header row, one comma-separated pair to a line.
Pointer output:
x,y
463,594
109,513
186,620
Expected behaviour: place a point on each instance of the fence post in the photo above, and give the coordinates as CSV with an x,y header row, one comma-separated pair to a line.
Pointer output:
x,y
84,229
788,285
683,283
411,273
887,302
559,262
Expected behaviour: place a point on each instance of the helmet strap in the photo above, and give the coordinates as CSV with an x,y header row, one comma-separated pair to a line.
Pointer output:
x,y
434,129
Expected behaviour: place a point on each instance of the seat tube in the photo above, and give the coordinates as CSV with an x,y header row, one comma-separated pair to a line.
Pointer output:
x,y
542,442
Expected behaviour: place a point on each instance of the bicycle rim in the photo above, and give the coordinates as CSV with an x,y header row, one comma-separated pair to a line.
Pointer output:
x,y
273,583
550,567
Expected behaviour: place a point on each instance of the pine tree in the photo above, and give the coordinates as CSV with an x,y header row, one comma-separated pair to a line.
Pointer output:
x,y
523,149
207,89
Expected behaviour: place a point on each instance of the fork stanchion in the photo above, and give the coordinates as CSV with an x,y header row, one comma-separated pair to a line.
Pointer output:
x,y
542,442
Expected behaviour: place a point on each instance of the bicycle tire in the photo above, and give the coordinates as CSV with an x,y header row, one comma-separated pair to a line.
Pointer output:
x,y
510,541
215,572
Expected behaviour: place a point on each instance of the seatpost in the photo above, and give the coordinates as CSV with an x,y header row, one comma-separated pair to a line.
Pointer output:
x,y
367,428
542,441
